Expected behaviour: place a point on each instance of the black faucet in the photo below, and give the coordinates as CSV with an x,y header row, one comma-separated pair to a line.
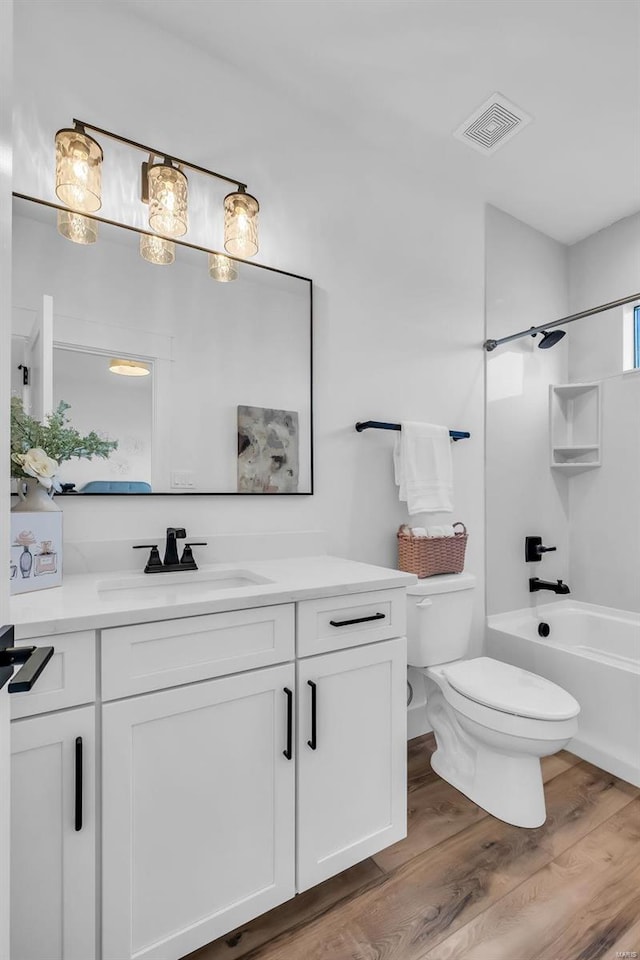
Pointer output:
x,y
533,549
535,584
171,561
171,549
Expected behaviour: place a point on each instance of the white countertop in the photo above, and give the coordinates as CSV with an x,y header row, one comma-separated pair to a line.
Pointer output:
x,y
85,602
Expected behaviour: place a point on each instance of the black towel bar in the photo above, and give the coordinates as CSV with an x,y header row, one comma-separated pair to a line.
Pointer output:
x,y
378,425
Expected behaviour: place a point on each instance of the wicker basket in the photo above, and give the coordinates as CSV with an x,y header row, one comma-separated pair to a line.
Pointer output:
x,y
429,556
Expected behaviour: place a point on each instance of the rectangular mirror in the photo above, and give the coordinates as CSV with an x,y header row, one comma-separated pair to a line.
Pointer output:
x,y
205,385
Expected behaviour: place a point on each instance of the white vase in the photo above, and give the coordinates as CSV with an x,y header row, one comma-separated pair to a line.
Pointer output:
x,y
37,499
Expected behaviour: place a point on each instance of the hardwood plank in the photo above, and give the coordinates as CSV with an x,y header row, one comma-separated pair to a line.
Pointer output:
x,y
596,929
558,763
535,913
290,915
629,943
419,770
436,811
440,890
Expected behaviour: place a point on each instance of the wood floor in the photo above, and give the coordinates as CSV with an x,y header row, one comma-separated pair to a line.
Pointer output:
x,y
465,885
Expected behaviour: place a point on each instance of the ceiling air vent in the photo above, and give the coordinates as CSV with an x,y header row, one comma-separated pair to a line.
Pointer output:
x,y
492,124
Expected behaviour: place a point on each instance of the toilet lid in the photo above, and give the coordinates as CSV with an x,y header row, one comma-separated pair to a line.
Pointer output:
x,y
509,689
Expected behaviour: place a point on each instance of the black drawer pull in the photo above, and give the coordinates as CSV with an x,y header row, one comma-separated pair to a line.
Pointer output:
x,y
288,752
34,660
348,623
313,743
78,790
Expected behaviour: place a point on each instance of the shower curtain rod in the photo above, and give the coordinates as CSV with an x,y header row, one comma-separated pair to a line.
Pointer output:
x,y
490,345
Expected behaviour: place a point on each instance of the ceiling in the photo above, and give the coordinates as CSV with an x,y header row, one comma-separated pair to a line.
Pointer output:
x,y
408,73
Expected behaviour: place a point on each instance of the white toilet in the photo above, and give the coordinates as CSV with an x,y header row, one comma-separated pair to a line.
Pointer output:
x,y
492,721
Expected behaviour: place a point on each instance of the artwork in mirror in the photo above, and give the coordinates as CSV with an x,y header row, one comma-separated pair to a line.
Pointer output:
x,y
161,357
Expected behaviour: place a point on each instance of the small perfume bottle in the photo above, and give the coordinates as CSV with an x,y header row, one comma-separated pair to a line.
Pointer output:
x,y
26,561
46,561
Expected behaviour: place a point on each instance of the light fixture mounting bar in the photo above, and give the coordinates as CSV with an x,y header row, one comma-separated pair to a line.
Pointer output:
x,y
490,345
159,153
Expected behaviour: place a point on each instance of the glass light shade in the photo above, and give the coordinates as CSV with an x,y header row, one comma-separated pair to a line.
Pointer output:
x,y
77,228
168,191
129,368
222,268
157,250
78,171
241,224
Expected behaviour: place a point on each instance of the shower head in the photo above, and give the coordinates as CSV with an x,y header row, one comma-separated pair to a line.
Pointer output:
x,y
550,338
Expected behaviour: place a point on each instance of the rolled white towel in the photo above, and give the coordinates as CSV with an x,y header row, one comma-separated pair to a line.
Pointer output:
x,y
418,531
435,531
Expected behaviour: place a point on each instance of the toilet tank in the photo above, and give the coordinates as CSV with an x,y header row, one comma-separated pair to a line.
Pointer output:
x,y
439,619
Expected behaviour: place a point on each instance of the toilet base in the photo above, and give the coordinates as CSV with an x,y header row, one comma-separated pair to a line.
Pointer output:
x,y
499,772
509,788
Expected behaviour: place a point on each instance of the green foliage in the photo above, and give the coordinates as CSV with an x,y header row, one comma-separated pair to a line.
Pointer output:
x,y
55,436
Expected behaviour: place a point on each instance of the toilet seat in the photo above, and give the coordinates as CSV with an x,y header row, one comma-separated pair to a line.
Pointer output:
x,y
511,690
516,726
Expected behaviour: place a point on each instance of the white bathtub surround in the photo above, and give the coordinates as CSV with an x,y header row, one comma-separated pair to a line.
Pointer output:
x,y
594,652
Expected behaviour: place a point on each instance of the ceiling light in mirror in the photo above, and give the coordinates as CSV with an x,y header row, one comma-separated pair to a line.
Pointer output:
x,y
168,191
129,368
78,170
241,224
75,227
222,268
156,249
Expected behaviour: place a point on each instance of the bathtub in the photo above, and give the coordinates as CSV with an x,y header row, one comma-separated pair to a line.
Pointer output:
x,y
594,653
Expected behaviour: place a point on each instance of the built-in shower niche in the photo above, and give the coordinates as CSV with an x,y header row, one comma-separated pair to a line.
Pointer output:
x,y
574,427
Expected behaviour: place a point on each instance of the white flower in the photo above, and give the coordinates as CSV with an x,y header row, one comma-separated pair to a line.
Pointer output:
x,y
36,463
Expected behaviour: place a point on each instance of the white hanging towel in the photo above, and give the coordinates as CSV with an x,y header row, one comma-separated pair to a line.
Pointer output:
x,y
423,467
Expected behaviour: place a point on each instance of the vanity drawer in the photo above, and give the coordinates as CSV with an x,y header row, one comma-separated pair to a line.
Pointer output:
x,y
67,680
334,623
152,656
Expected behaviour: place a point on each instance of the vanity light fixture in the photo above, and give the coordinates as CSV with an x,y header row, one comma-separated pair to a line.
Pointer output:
x,y
222,268
168,192
164,187
241,224
156,249
78,169
77,228
129,368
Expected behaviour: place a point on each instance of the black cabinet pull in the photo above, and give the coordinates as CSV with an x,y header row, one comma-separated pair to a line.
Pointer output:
x,y
288,752
78,791
348,623
34,660
313,743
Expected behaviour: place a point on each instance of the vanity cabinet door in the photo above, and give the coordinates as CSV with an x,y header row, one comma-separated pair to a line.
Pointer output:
x,y
53,857
198,812
351,757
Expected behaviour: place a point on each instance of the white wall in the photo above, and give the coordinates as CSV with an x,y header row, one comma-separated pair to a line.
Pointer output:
x,y
526,284
605,502
399,292
602,268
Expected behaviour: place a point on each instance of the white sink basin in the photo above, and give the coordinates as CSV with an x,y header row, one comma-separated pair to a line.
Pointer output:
x,y
175,587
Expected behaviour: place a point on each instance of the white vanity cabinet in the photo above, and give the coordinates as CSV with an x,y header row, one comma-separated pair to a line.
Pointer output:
x,y
244,756
53,862
351,757
198,812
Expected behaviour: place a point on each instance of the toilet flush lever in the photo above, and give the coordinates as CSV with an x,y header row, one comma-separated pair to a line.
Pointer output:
x,y
533,549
